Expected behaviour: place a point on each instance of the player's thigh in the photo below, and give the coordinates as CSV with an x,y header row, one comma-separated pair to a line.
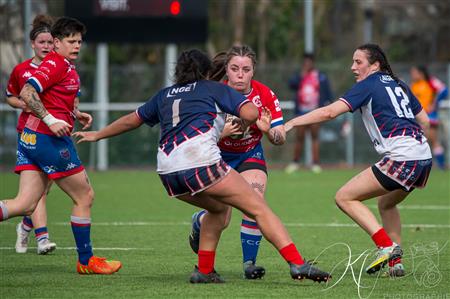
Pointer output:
x,y
77,186
32,184
234,190
257,180
361,187
206,202
392,199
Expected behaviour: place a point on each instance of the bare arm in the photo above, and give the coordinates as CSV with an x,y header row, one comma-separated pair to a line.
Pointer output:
x,y
124,124
423,120
248,115
318,115
29,95
84,118
16,102
276,135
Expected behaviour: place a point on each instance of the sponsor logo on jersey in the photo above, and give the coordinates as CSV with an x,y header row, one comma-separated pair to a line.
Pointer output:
x,y
52,62
27,138
386,79
26,75
173,92
257,101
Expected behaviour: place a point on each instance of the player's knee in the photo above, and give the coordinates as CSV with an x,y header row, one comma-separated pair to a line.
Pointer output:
x,y
341,198
28,210
384,205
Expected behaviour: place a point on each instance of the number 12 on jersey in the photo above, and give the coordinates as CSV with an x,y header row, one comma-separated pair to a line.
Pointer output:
x,y
398,95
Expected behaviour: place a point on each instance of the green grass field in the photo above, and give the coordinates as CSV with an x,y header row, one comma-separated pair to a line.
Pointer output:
x,y
135,222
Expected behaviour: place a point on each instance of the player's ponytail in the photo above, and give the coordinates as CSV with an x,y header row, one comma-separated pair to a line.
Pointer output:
x,y
374,54
219,63
192,65
41,24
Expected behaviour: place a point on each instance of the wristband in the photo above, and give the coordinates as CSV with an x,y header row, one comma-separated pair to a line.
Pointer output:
x,y
50,120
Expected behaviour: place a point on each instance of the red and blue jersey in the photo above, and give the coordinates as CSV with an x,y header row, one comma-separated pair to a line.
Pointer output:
x,y
191,117
388,113
19,76
57,83
261,96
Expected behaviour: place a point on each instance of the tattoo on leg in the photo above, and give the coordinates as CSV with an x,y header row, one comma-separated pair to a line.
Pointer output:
x,y
87,179
258,186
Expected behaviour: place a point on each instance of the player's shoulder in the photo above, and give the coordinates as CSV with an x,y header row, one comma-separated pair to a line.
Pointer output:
x,y
27,64
259,85
261,88
55,59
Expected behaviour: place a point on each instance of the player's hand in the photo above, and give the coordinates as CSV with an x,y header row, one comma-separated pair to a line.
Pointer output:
x,y
264,120
89,136
85,119
232,128
61,128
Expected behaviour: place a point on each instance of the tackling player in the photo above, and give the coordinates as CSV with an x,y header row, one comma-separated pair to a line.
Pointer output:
x,y
243,150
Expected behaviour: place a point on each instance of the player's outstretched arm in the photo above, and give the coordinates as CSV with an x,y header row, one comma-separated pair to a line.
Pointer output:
x,y
318,115
124,124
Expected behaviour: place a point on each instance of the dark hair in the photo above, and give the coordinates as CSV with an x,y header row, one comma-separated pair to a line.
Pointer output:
x,y
308,55
424,70
41,24
65,27
221,60
192,65
374,54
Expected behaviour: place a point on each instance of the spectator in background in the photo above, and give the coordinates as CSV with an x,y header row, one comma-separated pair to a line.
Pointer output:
x,y
312,90
429,91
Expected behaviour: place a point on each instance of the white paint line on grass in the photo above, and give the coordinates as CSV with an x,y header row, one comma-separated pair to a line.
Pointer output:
x,y
292,224
419,207
423,225
95,248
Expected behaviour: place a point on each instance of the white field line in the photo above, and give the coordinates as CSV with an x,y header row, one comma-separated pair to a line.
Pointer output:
x,y
95,248
419,207
290,224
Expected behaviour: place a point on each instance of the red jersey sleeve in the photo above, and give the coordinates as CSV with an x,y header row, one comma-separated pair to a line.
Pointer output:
x,y
273,104
50,72
13,88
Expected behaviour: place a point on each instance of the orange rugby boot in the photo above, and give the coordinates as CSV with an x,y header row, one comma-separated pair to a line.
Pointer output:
x,y
99,265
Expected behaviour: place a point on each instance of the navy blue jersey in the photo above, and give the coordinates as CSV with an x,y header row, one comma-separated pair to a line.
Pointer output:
x,y
191,118
388,113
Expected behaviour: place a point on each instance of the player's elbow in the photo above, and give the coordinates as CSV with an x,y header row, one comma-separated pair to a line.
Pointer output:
x,y
328,113
249,113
